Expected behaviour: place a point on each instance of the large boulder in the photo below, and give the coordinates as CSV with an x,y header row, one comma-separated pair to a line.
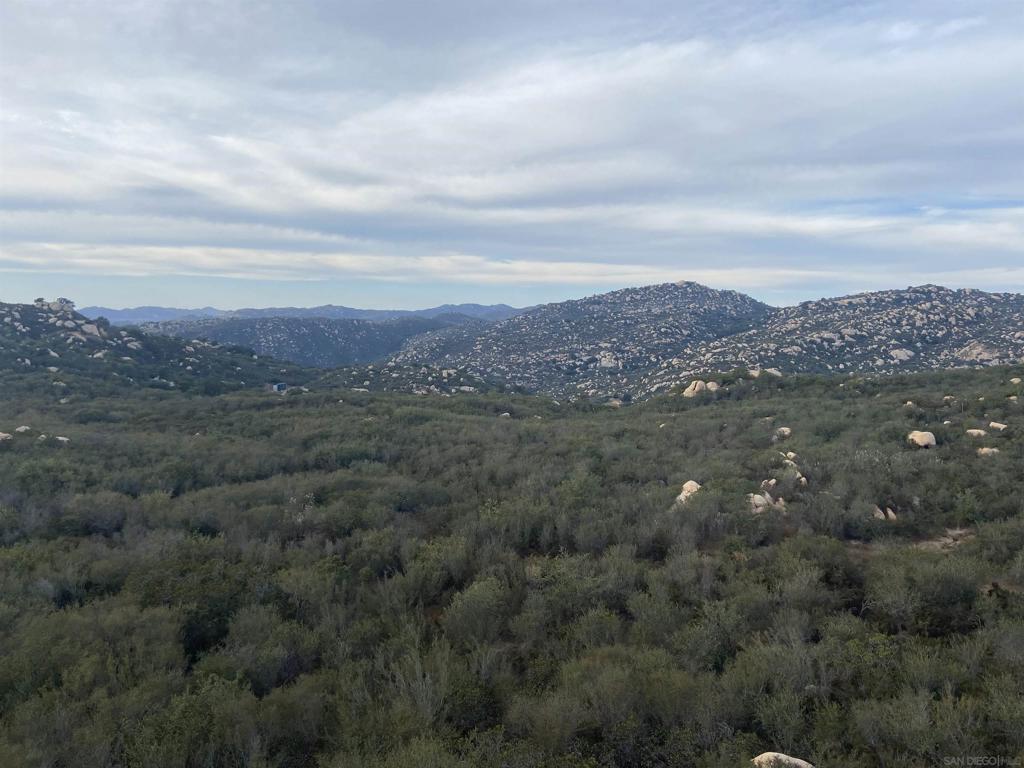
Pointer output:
x,y
779,760
782,433
690,487
695,388
921,439
5,436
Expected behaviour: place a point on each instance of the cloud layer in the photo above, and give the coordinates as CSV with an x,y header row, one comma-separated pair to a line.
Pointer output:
x,y
793,152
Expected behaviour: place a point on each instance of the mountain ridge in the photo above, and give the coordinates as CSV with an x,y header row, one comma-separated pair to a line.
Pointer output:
x,y
155,314
636,342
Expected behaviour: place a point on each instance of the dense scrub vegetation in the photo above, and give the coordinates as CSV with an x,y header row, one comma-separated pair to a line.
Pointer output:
x,y
351,579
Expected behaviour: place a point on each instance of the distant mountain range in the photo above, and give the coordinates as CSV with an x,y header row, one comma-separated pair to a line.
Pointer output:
x,y
139,315
317,341
625,344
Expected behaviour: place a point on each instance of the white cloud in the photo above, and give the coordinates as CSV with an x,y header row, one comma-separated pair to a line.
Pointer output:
x,y
254,264
834,139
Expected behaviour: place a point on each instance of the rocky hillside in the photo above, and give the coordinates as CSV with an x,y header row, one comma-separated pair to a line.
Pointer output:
x,y
593,346
319,342
50,341
921,328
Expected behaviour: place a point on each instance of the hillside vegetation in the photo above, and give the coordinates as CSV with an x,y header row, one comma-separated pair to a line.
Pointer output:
x,y
342,578
319,342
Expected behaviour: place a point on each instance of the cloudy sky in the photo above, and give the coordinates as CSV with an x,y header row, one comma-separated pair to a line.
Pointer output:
x,y
407,153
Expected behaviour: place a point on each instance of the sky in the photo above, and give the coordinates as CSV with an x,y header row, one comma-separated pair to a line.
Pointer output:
x,y
399,153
